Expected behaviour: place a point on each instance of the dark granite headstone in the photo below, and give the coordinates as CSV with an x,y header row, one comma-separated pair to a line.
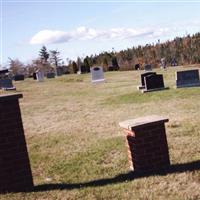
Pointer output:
x,y
142,86
59,71
34,76
19,77
137,66
6,84
50,75
147,67
144,75
154,81
187,78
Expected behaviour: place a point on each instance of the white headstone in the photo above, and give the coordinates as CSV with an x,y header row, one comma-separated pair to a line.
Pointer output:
x,y
97,74
40,75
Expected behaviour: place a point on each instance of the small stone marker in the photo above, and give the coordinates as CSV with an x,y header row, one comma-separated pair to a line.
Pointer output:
x,y
50,75
19,77
15,171
59,71
6,84
97,74
40,75
137,66
154,82
147,67
163,63
147,143
142,86
187,78
34,76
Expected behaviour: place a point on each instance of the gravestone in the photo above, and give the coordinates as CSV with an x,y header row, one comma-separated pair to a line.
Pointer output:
x,y
40,75
59,71
187,78
34,76
142,86
97,74
174,62
153,82
19,77
137,66
3,73
6,84
163,63
147,67
50,75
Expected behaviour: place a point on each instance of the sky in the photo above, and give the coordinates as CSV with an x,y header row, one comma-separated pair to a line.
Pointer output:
x,y
86,27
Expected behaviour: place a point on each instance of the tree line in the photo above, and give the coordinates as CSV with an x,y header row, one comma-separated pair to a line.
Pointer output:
x,y
179,51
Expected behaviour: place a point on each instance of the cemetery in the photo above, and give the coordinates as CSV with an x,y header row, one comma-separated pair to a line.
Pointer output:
x,y
70,138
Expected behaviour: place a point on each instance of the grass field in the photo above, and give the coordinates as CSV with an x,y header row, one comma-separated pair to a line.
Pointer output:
x,y
77,149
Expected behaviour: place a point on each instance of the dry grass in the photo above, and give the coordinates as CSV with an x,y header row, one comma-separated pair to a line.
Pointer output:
x,y
73,137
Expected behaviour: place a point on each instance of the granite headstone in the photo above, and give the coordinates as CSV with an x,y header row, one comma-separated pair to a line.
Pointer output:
x,y
187,78
97,74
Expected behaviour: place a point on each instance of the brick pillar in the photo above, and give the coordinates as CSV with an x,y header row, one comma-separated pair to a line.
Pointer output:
x,y
15,171
147,143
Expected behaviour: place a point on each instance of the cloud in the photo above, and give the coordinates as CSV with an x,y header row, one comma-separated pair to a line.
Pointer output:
x,y
50,37
84,33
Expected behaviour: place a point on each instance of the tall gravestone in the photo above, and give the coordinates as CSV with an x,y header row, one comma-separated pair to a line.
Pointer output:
x,y
40,75
187,78
34,76
97,74
15,171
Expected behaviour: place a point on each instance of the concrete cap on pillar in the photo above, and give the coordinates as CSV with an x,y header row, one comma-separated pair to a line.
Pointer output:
x,y
142,121
9,97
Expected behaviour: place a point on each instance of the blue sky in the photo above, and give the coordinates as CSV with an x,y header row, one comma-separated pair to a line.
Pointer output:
x,y
80,28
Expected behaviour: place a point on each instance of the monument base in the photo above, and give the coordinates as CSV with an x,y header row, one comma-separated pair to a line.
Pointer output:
x,y
156,89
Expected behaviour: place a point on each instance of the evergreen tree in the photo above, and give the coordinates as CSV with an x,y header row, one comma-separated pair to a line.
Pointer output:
x,y
115,63
44,55
86,64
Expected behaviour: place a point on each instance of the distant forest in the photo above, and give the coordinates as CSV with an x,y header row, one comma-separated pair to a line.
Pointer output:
x,y
179,51
183,51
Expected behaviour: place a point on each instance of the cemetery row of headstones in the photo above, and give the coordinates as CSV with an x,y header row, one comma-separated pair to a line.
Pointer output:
x,y
150,81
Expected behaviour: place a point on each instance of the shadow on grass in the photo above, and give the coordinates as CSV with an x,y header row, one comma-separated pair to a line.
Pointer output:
x,y
130,176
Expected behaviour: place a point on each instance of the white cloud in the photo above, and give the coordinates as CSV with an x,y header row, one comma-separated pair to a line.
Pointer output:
x,y
49,37
84,33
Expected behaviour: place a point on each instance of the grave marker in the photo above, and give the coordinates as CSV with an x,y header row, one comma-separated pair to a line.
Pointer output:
x,y
189,78
6,84
19,77
40,75
97,74
147,67
59,71
142,86
50,75
154,82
